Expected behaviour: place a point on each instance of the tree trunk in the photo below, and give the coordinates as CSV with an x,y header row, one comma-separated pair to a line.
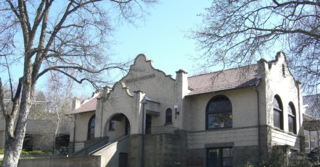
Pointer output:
x,y
15,132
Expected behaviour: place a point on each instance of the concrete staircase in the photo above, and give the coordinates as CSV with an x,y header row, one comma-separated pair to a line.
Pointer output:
x,y
91,147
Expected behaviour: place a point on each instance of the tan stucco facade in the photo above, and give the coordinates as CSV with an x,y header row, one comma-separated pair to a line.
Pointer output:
x,y
149,91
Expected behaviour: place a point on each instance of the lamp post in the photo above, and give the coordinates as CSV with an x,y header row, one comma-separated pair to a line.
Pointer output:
x,y
176,111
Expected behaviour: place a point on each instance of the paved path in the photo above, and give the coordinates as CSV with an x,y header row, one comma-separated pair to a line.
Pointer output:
x,y
1,155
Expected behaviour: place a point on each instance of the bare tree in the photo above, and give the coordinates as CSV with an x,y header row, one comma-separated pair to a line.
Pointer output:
x,y
238,32
60,94
60,36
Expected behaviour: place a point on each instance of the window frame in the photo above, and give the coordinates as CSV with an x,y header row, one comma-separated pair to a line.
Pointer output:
x,y
216,98
168,116
278,110
91,129
220,156
294,118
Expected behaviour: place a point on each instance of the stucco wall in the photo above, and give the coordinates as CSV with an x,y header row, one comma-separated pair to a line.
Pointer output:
x,y
288,90
82,126
282,138
157,86
119,130
244,108
81,130
112,151
240,137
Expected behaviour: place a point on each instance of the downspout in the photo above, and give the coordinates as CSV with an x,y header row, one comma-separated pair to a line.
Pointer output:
x,y
298,88
101,102
143,131
74,132
259,145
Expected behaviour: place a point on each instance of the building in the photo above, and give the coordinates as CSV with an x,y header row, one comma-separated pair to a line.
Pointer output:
x,y
40,134
311,121
227,118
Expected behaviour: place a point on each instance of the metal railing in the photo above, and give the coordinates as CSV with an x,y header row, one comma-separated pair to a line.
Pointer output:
x,y
163,130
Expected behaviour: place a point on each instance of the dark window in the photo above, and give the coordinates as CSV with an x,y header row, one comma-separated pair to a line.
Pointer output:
x,y
219,157
292,118
111,125
91,127
283,70
277,112
168,115
219,113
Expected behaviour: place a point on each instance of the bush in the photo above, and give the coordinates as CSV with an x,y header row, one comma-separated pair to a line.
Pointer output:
x,y
35,152
2,151
279,157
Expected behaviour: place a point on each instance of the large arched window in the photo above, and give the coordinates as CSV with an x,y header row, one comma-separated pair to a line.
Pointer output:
x,y
91,126
292,118
169,115
219,113
277,112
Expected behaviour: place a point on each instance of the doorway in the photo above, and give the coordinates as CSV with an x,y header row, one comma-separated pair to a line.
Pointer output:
x,y
148,124
127,130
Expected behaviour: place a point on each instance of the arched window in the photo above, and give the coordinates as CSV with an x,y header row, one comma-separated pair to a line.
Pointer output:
x,y
219,113
111,125
91,126
292,118
277,112
169,115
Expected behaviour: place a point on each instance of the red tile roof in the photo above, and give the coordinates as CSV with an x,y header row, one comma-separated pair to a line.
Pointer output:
x,y
86,107
224,80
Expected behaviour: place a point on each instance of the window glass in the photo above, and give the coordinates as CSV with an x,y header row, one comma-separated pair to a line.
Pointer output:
x,y
221,120
213,153
91,127
219,113
290,110
291,118
291,124
276,119
277,112
168,115
220,157
111,126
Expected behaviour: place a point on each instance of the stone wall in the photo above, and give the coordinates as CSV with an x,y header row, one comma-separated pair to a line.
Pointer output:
x,y
159,149
86,161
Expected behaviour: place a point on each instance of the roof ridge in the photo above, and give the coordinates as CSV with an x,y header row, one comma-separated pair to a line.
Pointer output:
x,y
223,70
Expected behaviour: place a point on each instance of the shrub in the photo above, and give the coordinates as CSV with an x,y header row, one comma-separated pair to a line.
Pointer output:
x,y
2,151
279,157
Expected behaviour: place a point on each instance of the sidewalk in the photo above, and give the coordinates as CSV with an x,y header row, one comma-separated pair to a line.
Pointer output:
x,y
1,155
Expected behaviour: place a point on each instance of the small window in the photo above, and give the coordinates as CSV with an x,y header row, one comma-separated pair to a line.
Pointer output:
x,y
283,70
169,115
91,127
220,157
292,118
219,113
111,125
277,112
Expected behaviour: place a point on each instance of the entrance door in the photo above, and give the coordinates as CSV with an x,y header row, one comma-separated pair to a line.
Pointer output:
x,y
148,124
127,130
123,159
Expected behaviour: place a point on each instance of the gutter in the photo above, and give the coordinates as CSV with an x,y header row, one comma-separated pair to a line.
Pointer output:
x,y
259,145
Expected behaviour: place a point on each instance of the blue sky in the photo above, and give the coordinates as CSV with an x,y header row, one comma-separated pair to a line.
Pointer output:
x,y
161,36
